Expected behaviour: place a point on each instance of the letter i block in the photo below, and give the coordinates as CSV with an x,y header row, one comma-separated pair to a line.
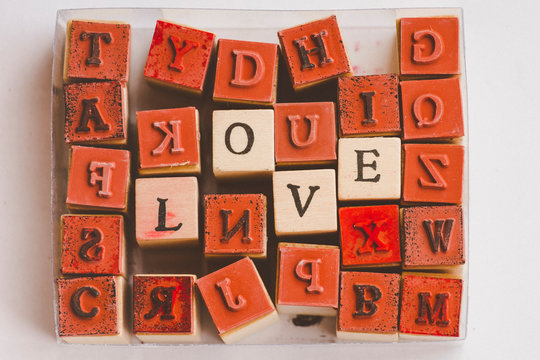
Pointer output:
x,y
307,279
314,52
169,141
166,211
237,300
246,72
433,173
165,309
98,179
368,306
97,51
179,56
430,307
91,310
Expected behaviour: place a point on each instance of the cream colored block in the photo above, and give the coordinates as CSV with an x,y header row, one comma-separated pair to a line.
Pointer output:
x,y
366,337
239,333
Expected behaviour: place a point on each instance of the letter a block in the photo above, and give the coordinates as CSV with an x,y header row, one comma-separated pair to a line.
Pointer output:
x,y
237,300
165,309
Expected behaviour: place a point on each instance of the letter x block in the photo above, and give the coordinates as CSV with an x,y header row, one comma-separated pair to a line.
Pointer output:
x,y
237,300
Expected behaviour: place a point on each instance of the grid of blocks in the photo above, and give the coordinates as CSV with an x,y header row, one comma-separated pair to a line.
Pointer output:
x,y
379,171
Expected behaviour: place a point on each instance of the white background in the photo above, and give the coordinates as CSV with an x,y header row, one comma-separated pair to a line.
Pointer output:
x,y
503,62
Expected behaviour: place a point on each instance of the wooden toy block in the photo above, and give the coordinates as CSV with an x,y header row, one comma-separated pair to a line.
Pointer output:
x,y
369,169
370,236
169,141
165,309
246,72
307,279
368,105
433,173
237,300
98,179
430,307
431,109
429,46
91,310
97,51
432,237
305,202
93,244
243,143
305,133
235,225
314,52
96,113
368,306
179,56
166,211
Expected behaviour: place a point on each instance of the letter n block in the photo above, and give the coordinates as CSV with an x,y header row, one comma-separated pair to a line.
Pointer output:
x,y
237,300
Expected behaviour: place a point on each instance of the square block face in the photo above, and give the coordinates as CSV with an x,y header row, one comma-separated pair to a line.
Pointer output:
x,y
98,178
243,142
431,109
305,133
93,244
433,173
432,236
246,72
369,169
96,113
429,46
430,306
166,211
169,141
305,202
368,105
179,56
314,52
370,236
97,51
235,225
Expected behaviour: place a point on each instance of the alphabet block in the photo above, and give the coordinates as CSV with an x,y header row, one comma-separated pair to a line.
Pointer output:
x,y
369,169
91,310
235,225
429,46
433,173
314,52
305,133
243,143
307,279
98,179
165,309
93,244
237,300
368,306
370,236
179,56
246,72
97,51
166,211
169,141
305,202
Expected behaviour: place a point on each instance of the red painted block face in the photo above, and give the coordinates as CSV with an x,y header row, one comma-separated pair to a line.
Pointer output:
x,y
431,109
433,173
429,46
97,51
314,52
430,306
369,105
179,56
98,178
370,235
92,244
246,72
